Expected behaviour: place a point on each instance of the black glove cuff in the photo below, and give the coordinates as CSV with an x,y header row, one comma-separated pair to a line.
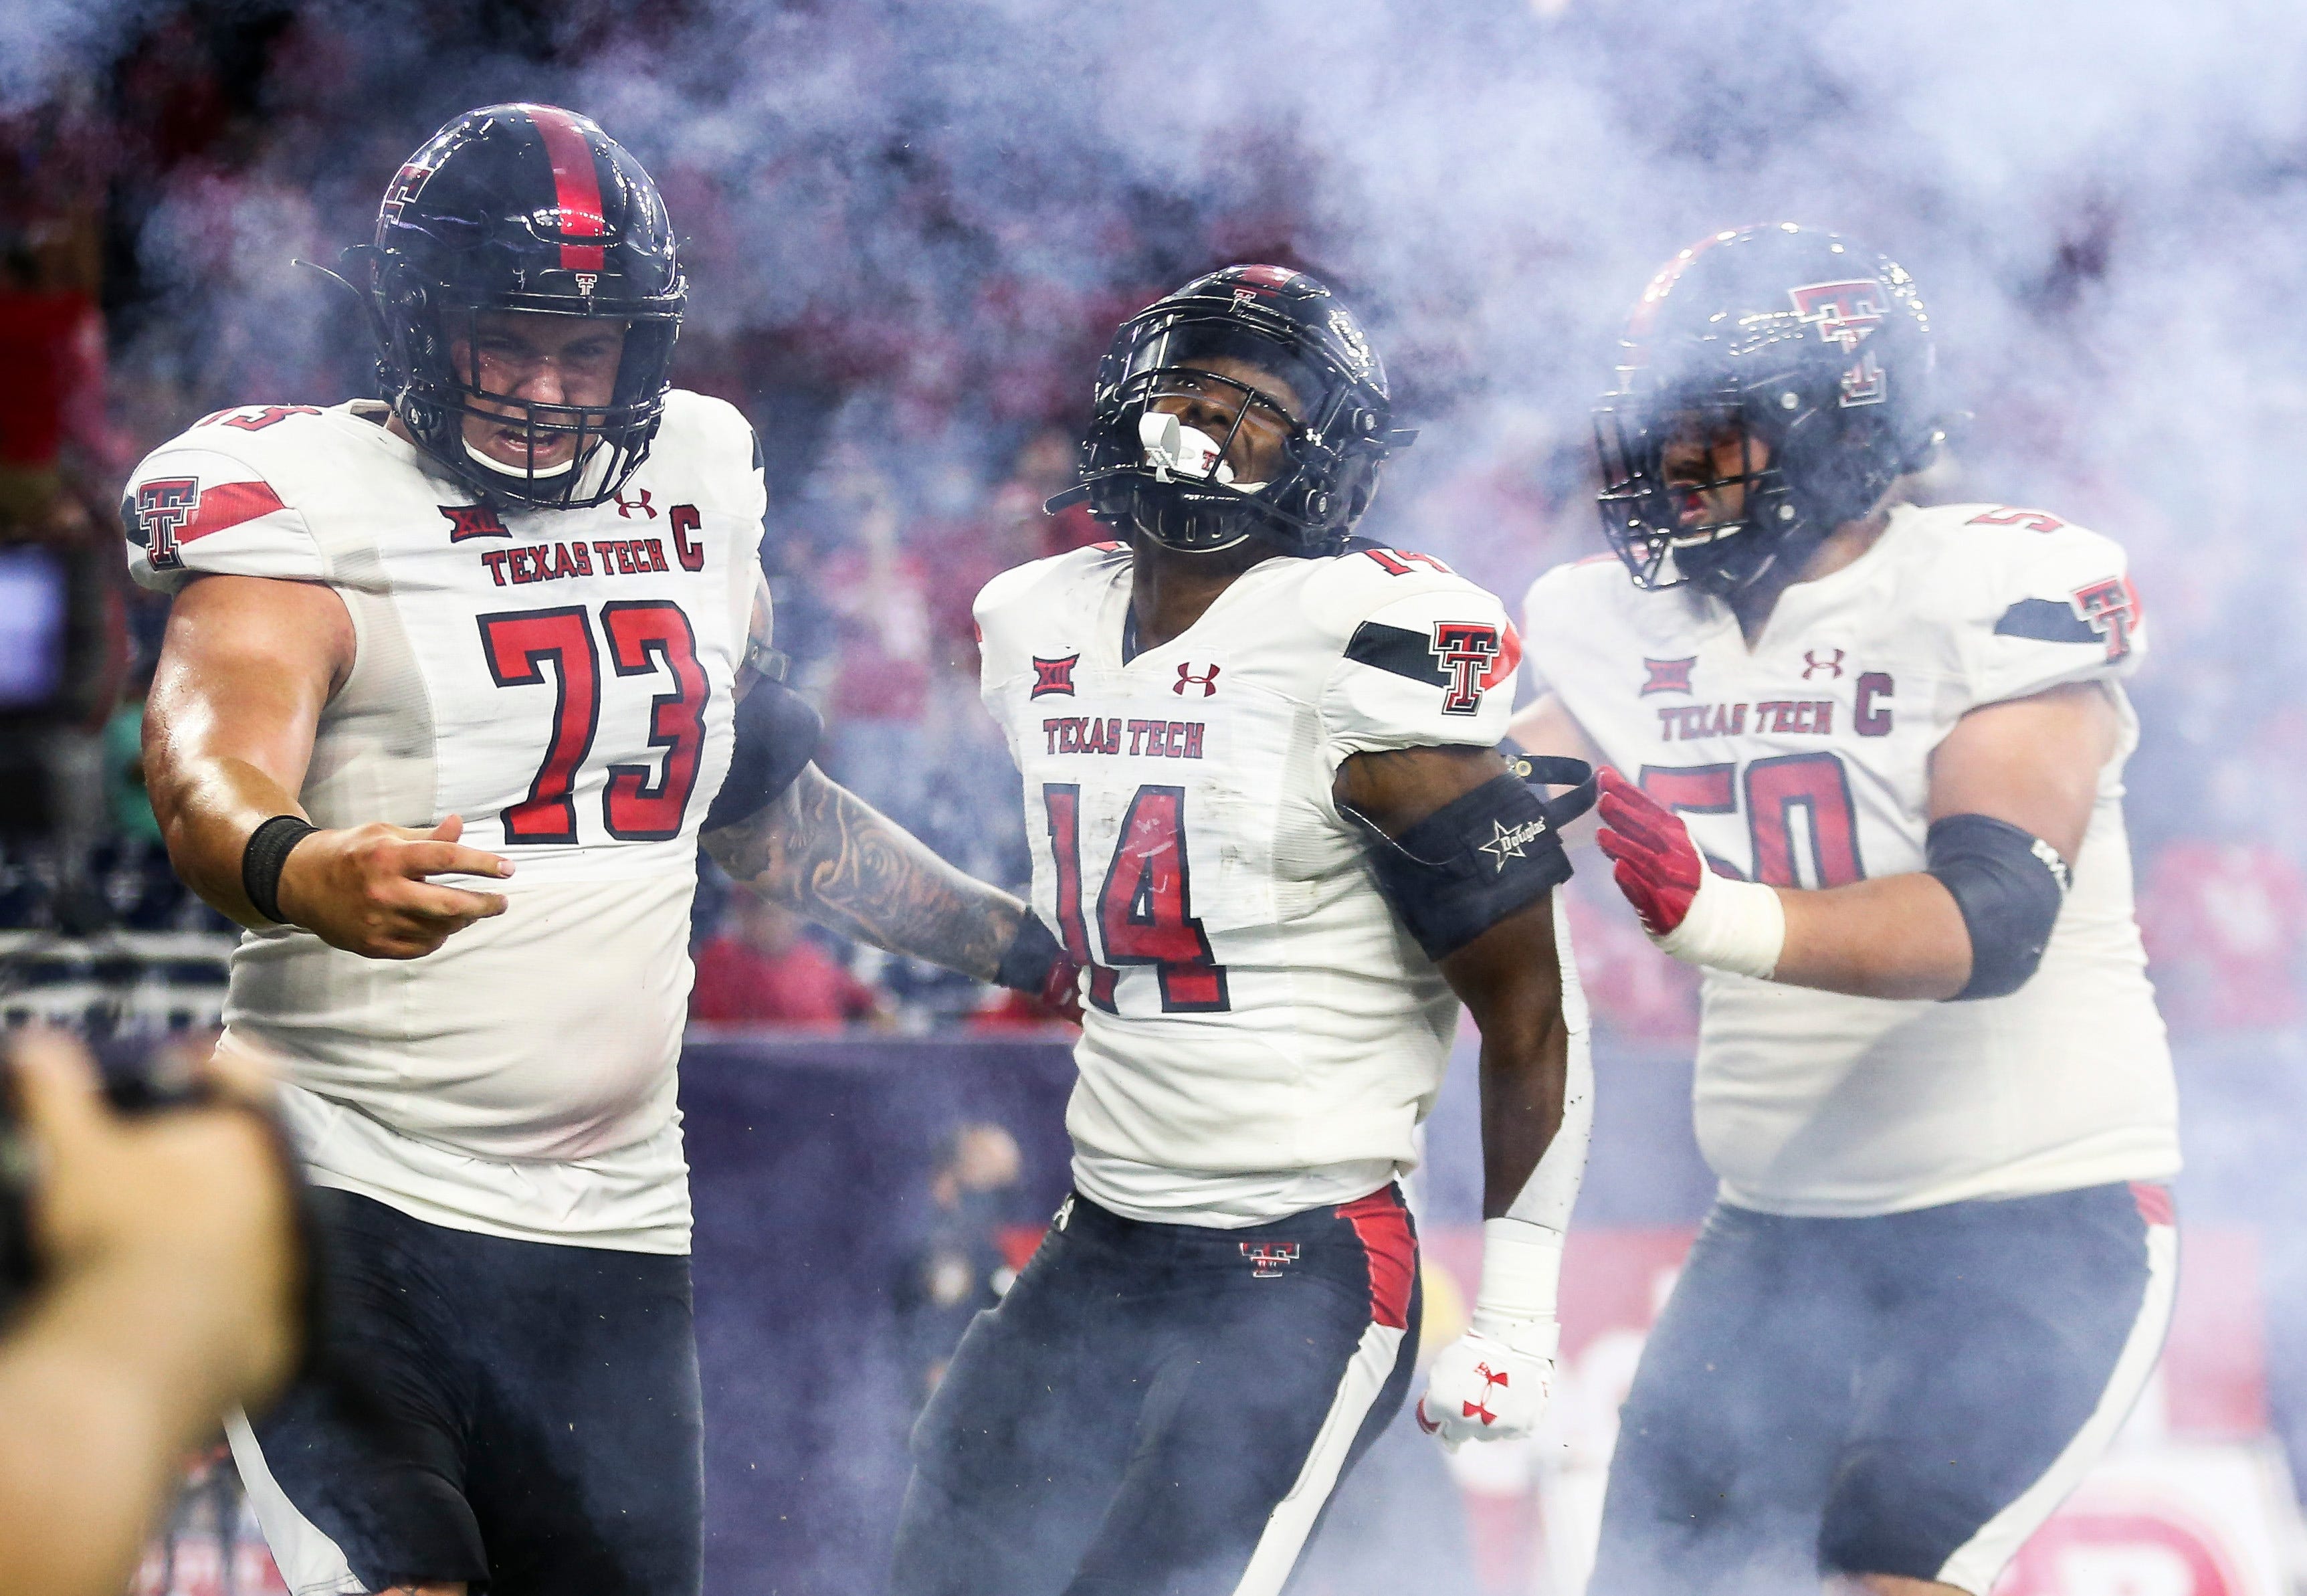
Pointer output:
x,y
269,846
1034,953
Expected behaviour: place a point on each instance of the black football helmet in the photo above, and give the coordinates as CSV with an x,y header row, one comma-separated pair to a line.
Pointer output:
x,y
1147,467
523,208
1819,349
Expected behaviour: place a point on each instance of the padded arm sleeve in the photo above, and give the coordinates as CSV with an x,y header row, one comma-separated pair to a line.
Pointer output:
x,y
2009,885
776,735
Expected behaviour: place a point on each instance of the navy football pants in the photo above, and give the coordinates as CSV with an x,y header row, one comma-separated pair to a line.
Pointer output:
x,y
1160,1410
1911,1394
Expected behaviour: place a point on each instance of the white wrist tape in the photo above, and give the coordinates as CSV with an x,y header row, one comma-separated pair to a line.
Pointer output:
x,y
1738,926
1521,1276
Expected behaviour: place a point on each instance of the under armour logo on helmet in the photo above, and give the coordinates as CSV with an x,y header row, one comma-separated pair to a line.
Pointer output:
x,y
1208,681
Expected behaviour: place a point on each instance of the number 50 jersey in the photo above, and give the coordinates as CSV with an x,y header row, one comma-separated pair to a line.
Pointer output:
x,y
1805,761
1260,1035
561,681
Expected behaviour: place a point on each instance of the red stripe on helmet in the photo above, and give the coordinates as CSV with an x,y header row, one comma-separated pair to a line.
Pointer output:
x,y
576,186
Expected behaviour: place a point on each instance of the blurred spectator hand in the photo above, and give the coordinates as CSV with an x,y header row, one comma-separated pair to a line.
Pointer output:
x,y
170,1288
197,1199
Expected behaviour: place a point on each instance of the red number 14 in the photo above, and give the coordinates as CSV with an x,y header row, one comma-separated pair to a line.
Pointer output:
x,y
1145,910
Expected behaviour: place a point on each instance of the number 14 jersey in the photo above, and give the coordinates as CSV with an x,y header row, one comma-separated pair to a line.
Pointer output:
x,y
1260,1035
561,681
1805,761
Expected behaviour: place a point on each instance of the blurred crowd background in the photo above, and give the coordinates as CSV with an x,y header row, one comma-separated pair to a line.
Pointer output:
x,y
911,228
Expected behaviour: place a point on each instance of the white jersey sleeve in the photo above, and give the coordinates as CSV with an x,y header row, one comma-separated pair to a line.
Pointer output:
x,y
1422,669
196,506
2041,605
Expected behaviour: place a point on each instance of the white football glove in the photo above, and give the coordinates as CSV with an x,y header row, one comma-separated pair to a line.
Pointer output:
x,y
1490,1384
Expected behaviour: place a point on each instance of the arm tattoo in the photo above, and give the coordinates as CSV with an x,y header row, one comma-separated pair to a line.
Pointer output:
x,y
821,851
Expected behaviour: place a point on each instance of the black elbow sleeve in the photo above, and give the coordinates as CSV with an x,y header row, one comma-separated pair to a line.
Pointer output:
x,y
2009,885
776,735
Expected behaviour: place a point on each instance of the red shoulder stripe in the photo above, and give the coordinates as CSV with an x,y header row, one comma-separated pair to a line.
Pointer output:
x,y
228,506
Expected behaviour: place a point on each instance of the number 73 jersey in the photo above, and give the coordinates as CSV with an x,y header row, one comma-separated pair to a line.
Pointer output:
x,y
1252,1005
558,679
1805,761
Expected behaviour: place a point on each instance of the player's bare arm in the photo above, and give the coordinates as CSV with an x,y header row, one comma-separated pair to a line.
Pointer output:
x,y
825,853
1508,976
2018,777
247,666
1500,957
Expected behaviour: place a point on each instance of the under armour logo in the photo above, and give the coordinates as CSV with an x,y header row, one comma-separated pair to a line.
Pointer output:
x,y
474,520
1268,1257
625,507
1053,676
1065,1212
1208,681
1831,665
1481,1408
1667,675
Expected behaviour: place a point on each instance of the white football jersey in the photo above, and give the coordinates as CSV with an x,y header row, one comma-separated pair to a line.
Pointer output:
x,y
561,681
1806,762
1261,1035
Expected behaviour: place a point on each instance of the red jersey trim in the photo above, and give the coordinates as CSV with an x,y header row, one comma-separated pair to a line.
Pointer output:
x,y
2155,1205
1382,1224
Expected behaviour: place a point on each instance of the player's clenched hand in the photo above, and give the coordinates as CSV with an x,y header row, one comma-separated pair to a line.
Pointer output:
x,y
363,889
1489,1385
1697,915
1658,865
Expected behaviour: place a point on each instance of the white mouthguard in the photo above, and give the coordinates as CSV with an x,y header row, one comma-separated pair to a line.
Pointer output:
x,y
1188,451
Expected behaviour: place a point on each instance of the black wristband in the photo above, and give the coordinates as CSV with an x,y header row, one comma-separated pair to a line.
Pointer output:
x,y
268,849
1033,953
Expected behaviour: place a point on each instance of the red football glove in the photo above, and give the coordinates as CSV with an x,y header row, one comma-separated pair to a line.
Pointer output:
x,y
1658,865
1063,991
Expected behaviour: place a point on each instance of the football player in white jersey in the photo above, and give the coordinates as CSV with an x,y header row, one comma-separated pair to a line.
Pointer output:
x,y
1269,821
1868,776
501,628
